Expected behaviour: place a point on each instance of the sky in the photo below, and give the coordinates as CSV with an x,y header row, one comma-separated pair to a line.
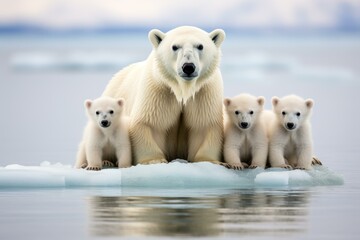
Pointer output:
x,y
89,14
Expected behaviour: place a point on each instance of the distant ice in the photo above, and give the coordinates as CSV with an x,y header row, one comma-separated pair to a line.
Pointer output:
x,y
256,66
253,66
100,60
177,174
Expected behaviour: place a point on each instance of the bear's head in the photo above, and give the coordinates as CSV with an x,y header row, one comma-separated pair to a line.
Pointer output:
x,y
244,110
292,111
185,57
104,110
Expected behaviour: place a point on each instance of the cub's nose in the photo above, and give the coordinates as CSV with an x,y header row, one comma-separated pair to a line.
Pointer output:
x,y
105,123
188,68
244,124
290,125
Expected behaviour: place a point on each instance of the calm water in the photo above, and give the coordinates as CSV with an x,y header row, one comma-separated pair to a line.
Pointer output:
x,y
44,81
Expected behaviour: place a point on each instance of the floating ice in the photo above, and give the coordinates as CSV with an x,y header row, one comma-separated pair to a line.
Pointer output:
x,y
177,174
257,66
57,175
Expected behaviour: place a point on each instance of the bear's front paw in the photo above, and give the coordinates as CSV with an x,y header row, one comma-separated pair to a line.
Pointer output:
x,y
154,161
316,161
123,164
252,166
245,164
303,167
93,168
84,165
107,164
286,166
236,166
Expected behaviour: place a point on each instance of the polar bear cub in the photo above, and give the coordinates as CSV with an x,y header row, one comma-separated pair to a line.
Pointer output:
x,y
245,133
105,139
290,134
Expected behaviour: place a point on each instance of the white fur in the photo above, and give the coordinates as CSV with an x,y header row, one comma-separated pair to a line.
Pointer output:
x,y
174,115
100,143
290,133
248,144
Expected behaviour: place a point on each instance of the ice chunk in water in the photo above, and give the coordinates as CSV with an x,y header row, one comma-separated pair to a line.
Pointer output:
x,y
177,174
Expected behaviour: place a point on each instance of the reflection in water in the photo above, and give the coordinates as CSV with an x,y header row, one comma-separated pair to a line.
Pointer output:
x,y
235,214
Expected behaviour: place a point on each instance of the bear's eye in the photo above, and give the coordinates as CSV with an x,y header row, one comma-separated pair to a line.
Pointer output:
x,y
283,113
251,112
97,112
298,114
200,47
175,48
111,112
237,112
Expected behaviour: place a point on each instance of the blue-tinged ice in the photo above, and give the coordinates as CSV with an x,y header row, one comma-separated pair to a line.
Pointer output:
x,y
177,174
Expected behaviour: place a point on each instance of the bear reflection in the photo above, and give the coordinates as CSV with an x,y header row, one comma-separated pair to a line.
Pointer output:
x,y
234,214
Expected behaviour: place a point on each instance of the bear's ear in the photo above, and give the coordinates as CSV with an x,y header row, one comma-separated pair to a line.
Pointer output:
x,y
309,103
155,37
87,103
261,100
275,100
217,36
121,102
227,102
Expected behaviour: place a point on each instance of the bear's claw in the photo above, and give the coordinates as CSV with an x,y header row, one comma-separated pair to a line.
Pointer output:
x,y
286,166
93,168
233,166
316,161
107,163
84,165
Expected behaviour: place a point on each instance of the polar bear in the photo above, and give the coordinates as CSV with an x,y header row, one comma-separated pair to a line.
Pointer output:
x,y
174,97
105,139
290,134
245,132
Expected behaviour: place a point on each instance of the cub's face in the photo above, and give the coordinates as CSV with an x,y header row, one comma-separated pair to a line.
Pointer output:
x,y
187,53
292,111
244,109
104,111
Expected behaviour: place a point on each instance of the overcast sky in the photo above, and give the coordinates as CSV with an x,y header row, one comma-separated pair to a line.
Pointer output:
x,y
64,14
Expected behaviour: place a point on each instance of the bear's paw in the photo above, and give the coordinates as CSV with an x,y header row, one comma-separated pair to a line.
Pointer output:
x,y
154,161
93,168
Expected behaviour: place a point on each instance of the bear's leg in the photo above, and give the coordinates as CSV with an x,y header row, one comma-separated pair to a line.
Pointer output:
x,y
145,148
232,155
81,157
94,154
277,159
259,155
305,157
123,154
232,151
205,145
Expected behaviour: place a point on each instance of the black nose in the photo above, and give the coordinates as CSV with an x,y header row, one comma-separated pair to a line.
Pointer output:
x,y
105,123
188,68
290,125
244,124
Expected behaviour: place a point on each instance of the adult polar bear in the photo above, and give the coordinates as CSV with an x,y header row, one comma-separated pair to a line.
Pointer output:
x,y
174,97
